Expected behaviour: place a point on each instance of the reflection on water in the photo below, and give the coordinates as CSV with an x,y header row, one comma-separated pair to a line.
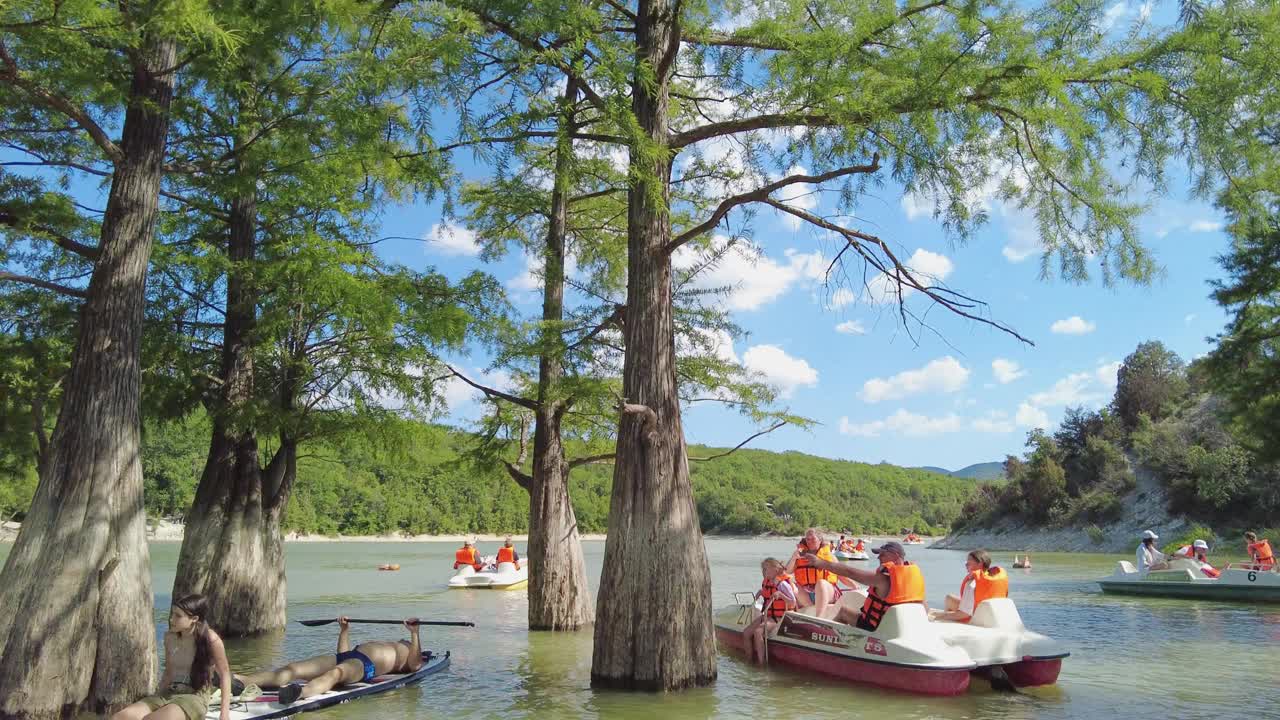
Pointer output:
x,y
1131,657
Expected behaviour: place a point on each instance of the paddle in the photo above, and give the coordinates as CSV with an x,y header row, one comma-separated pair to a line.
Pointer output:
x,y
317,623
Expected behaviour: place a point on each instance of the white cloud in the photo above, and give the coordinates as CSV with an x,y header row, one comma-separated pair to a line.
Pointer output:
x,y
1106,373
1006,371
801,196
994,422
1074,389
945,374
530,279
779,369
903,423
449,239
1031,417
851,327
1024,236
1189,319
718,342
840,298
1074,325
916,206
458,394
926,266
756,279
1113,15
1144,12
1200,226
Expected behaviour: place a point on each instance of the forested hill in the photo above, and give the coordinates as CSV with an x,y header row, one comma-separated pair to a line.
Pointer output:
x,y
976,471
413,481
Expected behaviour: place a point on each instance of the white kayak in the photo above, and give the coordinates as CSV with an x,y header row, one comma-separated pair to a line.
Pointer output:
x,y
908,651
1185,579
506,576
268,706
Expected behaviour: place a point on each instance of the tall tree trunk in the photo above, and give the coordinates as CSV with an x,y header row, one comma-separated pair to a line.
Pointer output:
x,y
232,549
76,629
559,596
655,547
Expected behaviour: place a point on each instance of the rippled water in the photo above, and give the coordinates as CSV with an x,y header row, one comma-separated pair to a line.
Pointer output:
x,y
1131,657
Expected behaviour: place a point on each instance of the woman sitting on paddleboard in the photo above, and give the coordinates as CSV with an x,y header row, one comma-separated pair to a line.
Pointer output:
x,y
194,660
325,672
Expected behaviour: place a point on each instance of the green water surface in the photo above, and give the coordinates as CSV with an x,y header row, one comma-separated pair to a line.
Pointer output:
x,y
1131,657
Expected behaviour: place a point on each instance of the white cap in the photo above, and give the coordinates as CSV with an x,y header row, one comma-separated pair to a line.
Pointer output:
x,y
1148,534
1200,544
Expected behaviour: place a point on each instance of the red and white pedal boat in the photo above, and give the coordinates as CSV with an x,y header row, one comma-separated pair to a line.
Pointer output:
x,y
907,651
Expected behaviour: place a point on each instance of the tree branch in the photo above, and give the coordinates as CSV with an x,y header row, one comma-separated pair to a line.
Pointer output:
x,y
762,193
591,460
719,39
65,290
490,392
12,75
62,241
737,447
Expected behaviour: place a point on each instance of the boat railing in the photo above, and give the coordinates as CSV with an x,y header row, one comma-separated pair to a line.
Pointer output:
x,y
1256,567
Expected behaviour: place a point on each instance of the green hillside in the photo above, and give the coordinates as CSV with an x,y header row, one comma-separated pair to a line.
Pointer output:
x,y
414,479
981,471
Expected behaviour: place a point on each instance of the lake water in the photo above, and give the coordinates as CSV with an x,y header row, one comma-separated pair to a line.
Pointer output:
x,y
1130,657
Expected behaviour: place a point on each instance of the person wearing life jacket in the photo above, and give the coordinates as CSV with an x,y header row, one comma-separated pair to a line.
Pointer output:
x,y
818,588
1259,551
894,582
467,555
1198,552
860,547
507,553
982,582
778,594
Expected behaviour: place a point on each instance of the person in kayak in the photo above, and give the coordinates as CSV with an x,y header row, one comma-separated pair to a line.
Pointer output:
x,y
1259,551
817,588
507,553
894,582
1198,552
320,674
982,582
778,593
1148,555
467,555
195,662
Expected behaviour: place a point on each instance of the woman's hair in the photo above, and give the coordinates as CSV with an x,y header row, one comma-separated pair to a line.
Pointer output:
x,y
1250,536
769,563
196,606
982,557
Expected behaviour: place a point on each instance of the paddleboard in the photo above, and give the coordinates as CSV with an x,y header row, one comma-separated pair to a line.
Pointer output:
x,y
267,706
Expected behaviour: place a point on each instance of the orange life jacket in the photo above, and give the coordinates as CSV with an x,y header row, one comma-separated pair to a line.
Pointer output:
x,y
807,576
506,554
859,547
1261,552
467,556
906,585
993,583
775,602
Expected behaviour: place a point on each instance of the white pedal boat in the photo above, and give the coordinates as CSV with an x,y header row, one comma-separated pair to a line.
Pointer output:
x,y
506,576
907,651
846,555
1184,579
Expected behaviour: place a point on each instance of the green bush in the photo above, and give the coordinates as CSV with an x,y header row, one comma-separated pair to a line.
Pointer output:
x,y
1191,534
1096,534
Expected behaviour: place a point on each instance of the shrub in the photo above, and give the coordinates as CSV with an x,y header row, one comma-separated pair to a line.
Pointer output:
x,y
1191,534
1095,534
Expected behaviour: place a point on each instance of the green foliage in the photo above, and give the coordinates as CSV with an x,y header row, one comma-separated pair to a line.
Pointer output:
x,y
1191,534
1096,534
1151,381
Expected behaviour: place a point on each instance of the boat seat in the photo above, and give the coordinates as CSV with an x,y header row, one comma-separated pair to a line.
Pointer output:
x,y
998,613
1124,567
905,621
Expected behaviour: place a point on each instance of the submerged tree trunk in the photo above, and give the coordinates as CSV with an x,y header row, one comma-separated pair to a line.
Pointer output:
x,y
559,596
76,624
232,549
653,625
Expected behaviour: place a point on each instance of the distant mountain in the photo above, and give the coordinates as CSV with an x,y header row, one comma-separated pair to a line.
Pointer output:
x,y
977,471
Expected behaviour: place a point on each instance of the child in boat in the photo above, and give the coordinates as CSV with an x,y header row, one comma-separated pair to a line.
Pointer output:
x,y
325,672
1259,551
779,596
194,660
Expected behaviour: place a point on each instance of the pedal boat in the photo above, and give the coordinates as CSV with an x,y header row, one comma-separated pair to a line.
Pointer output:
x,y
907,651
848,556
1184,579
506,576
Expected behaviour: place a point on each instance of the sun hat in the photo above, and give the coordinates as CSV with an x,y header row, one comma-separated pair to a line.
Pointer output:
x,y
1148,535
1200,544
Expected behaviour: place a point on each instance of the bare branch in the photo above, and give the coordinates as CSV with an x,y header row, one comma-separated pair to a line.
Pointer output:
x,y
591,460
62,241
737,447
13,277
490,392
763,193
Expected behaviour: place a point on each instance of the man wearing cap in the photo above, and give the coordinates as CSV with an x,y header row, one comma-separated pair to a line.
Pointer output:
x,y
895,582
1149,558
1198,552
507,553
467,555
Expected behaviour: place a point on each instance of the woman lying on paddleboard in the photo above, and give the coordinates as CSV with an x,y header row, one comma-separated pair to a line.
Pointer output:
x,y
325,672
194,660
